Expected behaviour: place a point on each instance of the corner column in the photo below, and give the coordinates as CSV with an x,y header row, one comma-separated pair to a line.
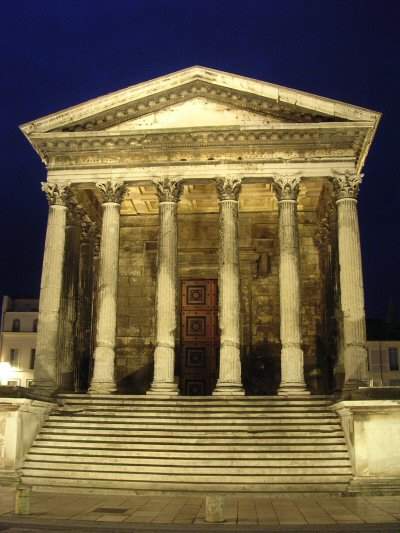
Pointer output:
x,y
45,371
103,379
168,191
292,360
346,187
230,373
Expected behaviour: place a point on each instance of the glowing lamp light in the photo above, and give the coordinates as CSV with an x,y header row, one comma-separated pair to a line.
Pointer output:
x,y
7,372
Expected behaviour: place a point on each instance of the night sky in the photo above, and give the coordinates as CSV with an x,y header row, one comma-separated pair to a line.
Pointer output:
x,y
57,53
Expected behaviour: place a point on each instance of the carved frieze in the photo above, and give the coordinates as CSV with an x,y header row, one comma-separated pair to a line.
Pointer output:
x,y
111,191
286,187
346,184
168,189
228,188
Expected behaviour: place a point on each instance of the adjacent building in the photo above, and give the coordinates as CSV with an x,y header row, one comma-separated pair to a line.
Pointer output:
x,y
18,331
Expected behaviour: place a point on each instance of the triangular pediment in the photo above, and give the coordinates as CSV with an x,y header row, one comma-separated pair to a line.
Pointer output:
x,y
197,112
213,97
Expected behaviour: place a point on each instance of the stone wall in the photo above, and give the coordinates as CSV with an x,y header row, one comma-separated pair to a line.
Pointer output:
x,y
198,258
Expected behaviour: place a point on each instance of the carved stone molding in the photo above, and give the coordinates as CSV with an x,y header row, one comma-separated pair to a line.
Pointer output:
x,y
57,193
112,191
168,189
346,184
228,188
286,187
88,230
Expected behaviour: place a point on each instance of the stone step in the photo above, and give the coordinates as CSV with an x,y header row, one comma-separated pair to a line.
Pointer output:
x,y
170,488
163,425
197,402
187,476
199,440
41,452
248,433
191,462
193,445
173,414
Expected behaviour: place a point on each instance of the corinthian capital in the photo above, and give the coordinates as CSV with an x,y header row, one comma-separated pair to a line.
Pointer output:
x,y
228,188
168,189
111,191
346,184
286,187
57,193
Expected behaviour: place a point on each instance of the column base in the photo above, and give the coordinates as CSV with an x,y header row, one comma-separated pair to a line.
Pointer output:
x,y
45,389
295,389
163,389
102,388
228,389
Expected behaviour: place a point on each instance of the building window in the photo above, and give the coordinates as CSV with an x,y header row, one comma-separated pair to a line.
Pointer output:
x,y
13,383
32,359
14,357
393,359
35,323
16,324
29,383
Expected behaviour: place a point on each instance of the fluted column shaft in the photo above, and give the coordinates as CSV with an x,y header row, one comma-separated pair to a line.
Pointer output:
x,y
230,373
103,379
169,191
45,371
351,281
292,359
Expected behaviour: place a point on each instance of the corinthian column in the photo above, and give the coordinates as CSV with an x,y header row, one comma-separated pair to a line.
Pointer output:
x,y
346,187
45,372
292,361
168,191
230,375
103,379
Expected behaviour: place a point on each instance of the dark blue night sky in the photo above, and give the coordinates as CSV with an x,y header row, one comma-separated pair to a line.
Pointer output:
x,y
57,53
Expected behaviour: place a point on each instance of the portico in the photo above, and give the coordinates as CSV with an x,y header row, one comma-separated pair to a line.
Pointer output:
x,y
204,175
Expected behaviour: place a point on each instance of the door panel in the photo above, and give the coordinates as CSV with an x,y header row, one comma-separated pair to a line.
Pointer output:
x,y
199,336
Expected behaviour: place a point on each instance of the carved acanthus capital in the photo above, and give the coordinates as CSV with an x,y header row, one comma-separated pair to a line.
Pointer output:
x,y
168,189
346,184
322,235
57,193
88,230
286,187
111,191
228,188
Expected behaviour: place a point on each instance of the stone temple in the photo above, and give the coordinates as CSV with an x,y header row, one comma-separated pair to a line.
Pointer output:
x,y
201,317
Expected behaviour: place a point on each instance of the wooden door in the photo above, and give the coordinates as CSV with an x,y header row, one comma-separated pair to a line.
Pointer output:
x,y
199,336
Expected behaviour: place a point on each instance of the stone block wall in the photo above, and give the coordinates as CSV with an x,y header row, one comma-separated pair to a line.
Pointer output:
x,y
198,258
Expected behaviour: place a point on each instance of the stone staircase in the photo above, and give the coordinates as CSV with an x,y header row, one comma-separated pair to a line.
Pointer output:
x,y
140,444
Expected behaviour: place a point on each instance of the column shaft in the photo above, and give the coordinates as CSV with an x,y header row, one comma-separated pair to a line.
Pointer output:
x,y
230,373
103,379
164,355
351,281
292,360
45,371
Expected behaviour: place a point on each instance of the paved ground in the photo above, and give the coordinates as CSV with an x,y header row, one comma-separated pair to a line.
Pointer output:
x,y
78,512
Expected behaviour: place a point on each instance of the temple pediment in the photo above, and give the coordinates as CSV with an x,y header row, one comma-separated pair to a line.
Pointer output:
x,y
220,95
198,112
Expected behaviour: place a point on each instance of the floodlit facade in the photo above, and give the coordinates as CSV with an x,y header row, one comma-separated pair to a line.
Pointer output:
x,y
202,294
